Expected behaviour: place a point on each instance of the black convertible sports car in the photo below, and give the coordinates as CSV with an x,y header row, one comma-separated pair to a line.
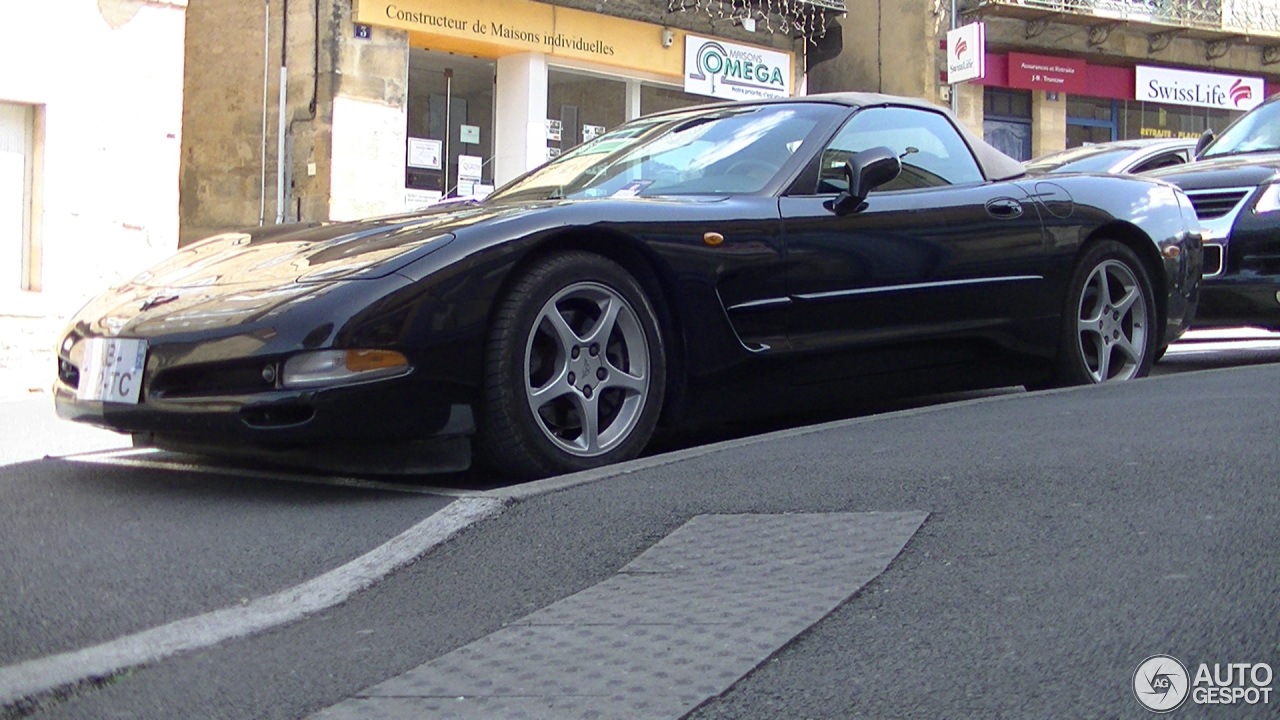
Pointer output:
x,y
707,263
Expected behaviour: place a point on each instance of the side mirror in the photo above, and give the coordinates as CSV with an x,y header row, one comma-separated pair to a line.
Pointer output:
x,y
1206,137
864,172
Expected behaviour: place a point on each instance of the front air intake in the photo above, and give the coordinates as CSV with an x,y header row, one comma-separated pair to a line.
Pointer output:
x,y
1210,204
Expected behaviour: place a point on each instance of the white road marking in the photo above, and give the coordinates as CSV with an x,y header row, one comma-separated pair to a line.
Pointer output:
x,y
58,672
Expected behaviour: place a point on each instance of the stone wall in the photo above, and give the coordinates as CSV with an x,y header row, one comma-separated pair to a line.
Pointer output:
x,y
890,46
230,130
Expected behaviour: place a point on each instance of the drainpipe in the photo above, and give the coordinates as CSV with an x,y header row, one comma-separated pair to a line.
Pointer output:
x,y
266,63
448,123
955,99
280,120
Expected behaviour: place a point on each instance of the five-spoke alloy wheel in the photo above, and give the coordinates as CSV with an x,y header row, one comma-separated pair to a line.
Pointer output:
x,y
1110,330
575,369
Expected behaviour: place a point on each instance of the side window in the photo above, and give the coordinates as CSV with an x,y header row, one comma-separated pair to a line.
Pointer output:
x,y
932,153
1169,159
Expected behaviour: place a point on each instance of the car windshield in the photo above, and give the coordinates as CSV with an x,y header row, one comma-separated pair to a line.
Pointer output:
x,y
718,151
1257,131
1081,159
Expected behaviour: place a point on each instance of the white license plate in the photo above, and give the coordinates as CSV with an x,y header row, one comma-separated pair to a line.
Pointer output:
x,y
112,370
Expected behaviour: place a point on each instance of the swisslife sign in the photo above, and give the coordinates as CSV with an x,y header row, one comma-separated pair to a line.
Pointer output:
x,y
1199,89
734,72
967,53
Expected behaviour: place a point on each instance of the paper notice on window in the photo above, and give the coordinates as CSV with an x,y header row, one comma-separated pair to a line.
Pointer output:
x,y
470,167
425,153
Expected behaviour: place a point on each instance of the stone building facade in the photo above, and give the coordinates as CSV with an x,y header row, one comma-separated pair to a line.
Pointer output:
x,y
389,105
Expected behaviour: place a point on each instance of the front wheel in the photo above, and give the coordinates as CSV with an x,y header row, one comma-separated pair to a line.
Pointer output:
x,y
1110,324
575,369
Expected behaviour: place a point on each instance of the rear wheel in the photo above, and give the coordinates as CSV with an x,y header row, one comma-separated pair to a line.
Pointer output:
x,y
1110,329
575,369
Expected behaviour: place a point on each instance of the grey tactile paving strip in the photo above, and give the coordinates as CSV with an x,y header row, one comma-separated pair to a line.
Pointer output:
x,y
677,625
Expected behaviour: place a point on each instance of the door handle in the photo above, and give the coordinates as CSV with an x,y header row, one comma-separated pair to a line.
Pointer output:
x,y
1004,208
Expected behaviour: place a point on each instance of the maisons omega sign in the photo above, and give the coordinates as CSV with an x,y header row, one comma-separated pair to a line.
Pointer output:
x,y
494,28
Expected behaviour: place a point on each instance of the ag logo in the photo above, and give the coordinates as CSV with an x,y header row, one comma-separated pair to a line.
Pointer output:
x,y
1161,683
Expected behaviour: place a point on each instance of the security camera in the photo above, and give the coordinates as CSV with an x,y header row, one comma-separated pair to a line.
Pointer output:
x,y
668,37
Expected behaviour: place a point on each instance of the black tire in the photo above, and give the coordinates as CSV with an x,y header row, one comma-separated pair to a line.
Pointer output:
x,y
1112,338
575,336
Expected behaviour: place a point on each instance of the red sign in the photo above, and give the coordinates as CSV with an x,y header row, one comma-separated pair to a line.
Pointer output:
x,y
1045,72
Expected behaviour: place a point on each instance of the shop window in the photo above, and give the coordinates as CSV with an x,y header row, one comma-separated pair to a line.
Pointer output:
x,y
1153,120
1087,109
1007,103
450,126
1090,121
581,106
658,98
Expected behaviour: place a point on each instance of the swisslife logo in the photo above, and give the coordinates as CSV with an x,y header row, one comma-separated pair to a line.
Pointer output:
x,y
1198,89
968,53
1239,92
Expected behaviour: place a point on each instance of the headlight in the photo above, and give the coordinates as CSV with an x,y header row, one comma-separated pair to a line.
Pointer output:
x,y
1269,200
341,367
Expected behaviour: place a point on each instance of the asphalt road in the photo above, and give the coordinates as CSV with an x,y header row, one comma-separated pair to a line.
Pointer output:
x,y
1068,536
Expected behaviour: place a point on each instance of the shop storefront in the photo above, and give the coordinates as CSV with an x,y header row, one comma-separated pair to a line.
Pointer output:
x,y
497,87
1108,102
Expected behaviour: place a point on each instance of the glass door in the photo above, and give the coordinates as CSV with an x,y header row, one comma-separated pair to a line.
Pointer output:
x,y
450,126
1007,121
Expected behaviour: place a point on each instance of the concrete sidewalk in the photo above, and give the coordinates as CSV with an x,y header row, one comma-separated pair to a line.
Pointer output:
x,y
30,430
27,361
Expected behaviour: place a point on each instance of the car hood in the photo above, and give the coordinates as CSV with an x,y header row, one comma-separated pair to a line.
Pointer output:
x,y
1245,170
254,275
298,253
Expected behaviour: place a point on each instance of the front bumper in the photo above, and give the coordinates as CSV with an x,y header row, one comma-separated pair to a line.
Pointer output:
x,y
1236,300
1245,291
401,424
